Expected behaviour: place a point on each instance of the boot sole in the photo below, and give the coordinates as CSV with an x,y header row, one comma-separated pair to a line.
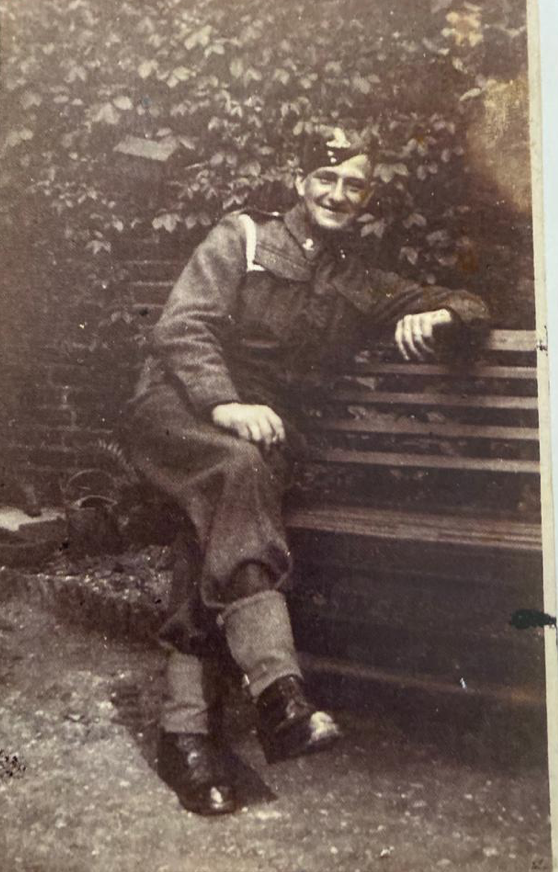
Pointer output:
x,y
287,748
192,803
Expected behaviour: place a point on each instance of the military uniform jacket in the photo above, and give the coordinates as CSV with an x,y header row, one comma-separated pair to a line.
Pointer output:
x,y
260,330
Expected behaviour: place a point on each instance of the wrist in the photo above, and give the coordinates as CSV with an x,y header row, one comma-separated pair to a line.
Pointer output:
x,y
444,316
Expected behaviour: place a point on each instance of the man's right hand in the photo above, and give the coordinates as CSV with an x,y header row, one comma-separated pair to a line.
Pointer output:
x,y
254,423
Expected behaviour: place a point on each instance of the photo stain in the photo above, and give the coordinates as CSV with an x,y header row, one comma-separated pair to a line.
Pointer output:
x,y
526,619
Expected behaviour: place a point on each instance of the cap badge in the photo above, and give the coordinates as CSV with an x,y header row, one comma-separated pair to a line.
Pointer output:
x,y
339,139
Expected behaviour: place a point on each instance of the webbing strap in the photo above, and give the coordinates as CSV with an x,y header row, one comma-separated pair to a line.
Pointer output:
x,y
250,230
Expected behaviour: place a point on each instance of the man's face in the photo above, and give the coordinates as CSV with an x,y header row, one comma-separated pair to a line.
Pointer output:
x,y
335,196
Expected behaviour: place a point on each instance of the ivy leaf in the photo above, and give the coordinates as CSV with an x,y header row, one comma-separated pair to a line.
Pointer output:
x,y
14,138
30,98
146,68
217,48
179,109
251,168
107,114
76,72
386,172
439,5
168,221
361,84
236,67
446,259
68,140
199,37
377,228
98,245
334,68
187,142
415,220
469,95
282,76
438,237
217,159
182,73
252,75
410,254
118,224
123,103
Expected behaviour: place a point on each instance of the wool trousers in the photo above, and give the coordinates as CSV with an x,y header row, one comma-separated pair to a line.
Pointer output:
x,y
230,493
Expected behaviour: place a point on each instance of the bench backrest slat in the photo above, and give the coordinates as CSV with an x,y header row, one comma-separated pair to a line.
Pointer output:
x,y
479,464
511,340
436,399
445,430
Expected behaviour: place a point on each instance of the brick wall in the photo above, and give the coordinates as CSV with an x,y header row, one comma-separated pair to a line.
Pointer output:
x,y
64,382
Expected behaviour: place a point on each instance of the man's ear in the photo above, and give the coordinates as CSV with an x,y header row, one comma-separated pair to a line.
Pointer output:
x,y
299,182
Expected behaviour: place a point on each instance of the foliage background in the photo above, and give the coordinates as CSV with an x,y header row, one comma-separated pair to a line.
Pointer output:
x,y
229,88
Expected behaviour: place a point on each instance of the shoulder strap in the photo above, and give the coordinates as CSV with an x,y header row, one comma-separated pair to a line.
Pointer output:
x,y
250,230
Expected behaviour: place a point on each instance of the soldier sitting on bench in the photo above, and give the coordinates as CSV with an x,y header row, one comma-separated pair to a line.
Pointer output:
x,y
267,306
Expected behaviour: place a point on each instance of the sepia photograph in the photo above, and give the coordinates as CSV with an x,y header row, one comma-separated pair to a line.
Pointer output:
x,y
277,573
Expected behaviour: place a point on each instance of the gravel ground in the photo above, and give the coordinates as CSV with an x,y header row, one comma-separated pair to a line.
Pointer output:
x,y
78,792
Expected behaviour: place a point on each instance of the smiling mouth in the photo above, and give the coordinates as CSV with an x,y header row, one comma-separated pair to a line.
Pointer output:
x,y
333,211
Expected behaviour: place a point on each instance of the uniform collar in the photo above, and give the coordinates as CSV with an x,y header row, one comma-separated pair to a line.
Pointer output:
x,y
312,242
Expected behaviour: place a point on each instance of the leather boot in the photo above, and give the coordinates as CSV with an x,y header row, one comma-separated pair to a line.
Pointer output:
x,y
198,769
259,635
289,724
190,757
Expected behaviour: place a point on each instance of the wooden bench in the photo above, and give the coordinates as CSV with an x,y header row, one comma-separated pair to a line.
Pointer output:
x,y
416,522
418,532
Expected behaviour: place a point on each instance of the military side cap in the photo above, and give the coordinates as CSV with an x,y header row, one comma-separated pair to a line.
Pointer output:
x,y
330,146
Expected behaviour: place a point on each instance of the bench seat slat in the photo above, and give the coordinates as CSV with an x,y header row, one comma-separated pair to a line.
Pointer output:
x,y
477,401
419,527
419,428
519,694
428,461
511,340
436,369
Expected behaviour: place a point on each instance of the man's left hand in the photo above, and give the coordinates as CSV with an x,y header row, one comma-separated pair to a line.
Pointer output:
x,y
414,334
